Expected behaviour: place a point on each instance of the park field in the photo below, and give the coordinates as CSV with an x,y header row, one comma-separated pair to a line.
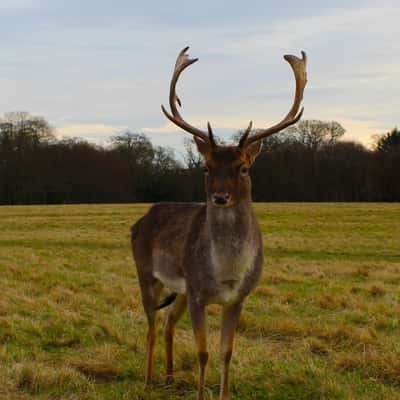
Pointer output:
x,y
324,322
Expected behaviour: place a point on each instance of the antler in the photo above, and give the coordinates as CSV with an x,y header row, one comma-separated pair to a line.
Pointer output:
x,y
299,69
182,62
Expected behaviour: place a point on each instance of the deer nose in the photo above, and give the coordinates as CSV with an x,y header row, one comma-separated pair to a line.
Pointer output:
x,y
221,198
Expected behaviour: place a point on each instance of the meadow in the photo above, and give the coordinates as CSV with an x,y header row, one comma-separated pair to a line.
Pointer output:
x,y
324,322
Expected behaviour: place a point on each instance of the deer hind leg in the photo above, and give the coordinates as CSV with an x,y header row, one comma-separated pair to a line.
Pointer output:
x,y
174,313
150,297
230,319
197,314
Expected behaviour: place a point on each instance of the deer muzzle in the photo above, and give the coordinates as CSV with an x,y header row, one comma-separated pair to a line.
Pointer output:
x,y
221,199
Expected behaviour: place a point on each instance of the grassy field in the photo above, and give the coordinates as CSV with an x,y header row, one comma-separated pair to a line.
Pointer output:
x,y
324,322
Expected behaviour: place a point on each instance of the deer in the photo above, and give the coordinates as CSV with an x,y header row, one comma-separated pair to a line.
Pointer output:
x,y
209,253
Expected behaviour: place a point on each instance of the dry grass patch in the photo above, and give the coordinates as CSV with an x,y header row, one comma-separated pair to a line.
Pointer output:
x,y
40,377
61,295
276,279
377,291
333,302
267,292
105,363
346,336
389,323
4,307
275,329
72,324
187,360
361,273
7,332
108,331
291,329
316,346
374,364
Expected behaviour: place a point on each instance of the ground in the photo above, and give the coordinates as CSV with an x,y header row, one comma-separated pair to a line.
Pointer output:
x,y
324,322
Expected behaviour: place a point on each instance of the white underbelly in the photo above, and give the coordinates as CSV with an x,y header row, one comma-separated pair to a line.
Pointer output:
x,y
176,284
165,258
230,265
226,295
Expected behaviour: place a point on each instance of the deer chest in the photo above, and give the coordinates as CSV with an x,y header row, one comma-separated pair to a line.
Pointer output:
x,y
231,262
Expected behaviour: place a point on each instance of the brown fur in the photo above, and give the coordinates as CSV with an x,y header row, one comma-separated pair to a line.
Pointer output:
x,y
208,253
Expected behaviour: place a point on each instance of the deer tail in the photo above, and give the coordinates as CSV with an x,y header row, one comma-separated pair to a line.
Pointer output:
x,y
167,301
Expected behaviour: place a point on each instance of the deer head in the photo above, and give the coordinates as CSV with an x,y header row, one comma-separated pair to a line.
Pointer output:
x,y
227,167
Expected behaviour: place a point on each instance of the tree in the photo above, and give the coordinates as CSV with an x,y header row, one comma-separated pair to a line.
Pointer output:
x,y
193,175
388,165
137,152
20,131
21,135
314,133
164,159
305,163
193,159
135,148
388,141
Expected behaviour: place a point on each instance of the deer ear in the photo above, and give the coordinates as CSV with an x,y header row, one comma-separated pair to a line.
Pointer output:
x,y
253,150
203,147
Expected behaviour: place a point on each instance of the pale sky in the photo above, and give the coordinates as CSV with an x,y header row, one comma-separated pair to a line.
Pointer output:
x,y
96,68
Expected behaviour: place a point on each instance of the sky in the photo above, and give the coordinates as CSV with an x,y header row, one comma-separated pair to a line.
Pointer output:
x,y
97,68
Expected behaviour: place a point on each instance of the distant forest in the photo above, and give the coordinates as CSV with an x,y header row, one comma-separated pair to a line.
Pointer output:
x,y
307,162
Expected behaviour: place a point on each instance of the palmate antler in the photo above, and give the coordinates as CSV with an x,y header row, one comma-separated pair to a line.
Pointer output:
x,y
183,61
299,69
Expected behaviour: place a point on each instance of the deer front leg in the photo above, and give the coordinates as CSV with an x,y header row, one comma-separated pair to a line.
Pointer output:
x,y
175,312
230,319
197,314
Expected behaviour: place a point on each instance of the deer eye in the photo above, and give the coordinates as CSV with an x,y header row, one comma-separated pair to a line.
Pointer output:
x,y
244,171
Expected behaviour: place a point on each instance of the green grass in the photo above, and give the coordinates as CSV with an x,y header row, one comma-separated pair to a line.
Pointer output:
x,y
324,322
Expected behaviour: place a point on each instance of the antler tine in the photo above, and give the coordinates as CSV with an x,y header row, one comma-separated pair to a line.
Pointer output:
x,y
243,139
299,69
210,134
182,62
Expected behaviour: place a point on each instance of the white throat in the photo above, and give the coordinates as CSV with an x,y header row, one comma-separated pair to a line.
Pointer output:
x,y
232,249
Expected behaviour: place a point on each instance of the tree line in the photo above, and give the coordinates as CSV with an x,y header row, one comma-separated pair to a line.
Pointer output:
x,y
307,162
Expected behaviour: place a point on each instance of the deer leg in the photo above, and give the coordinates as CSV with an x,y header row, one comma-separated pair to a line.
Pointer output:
x,y
150,297
175,312
197,314
230,319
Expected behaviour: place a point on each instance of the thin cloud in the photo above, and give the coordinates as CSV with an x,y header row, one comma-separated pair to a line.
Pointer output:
x,y
87,130
113,68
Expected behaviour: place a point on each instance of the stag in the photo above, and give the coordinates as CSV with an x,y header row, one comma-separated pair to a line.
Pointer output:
x,y
208,253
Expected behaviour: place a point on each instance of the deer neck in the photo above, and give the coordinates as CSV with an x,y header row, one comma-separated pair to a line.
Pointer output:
x,y
223,223
232,244
230,229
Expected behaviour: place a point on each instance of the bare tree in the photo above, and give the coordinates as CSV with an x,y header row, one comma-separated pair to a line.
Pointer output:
x,y
193,159
314,133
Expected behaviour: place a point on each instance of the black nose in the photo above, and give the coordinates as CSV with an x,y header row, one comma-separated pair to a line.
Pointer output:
x,y
221,198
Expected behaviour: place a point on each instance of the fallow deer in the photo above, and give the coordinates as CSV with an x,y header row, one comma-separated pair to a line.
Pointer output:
x,y
208,253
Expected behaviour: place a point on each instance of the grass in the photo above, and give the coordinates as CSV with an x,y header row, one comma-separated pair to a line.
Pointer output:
x,y
324,322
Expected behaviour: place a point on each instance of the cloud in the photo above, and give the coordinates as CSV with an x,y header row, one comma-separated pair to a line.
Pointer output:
x,y
112,66
219,122
362,131
97,133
